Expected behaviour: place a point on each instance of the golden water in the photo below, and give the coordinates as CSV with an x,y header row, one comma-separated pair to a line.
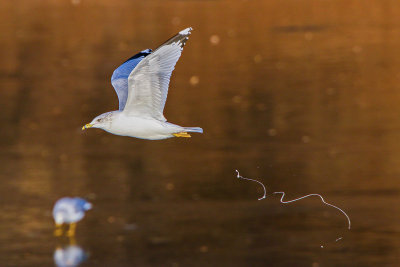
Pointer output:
x,y
302,95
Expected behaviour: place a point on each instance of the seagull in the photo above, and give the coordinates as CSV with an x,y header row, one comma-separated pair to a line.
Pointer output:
x,y
69,210
141,84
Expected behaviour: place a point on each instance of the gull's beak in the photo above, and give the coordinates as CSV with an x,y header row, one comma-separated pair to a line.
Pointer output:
x,y
87,126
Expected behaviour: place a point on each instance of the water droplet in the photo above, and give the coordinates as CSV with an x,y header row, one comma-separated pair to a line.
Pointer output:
x,y
308,36
203,249
271,132
306,139
214,39
257,58
237,99
170,186
194,80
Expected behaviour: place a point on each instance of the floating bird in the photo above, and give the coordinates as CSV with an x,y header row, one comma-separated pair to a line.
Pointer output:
x,y
69,256
141,84
69,210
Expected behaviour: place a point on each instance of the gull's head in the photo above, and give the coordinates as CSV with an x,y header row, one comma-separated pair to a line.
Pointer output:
x,y
102,121
82,204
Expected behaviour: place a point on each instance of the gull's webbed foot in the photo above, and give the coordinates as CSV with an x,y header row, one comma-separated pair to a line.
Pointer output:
x,y
71,230
182,134
58,231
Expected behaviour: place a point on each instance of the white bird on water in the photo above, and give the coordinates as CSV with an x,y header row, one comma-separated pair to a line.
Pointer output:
x,y
69,210
141,84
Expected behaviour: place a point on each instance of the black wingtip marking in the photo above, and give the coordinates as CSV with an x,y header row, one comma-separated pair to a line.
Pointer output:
x,y
179,38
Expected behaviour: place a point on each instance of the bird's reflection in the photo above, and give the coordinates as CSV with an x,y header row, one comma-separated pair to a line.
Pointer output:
x,y
69,256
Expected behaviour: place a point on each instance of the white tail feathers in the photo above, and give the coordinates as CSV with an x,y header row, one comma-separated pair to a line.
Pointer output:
x,y
193,129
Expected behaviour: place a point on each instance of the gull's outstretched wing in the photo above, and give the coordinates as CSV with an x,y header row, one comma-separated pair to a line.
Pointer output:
x,y
148,82
119,79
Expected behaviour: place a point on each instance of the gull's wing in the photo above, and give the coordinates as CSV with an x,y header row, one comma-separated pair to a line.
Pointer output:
x,y
148,82
119,79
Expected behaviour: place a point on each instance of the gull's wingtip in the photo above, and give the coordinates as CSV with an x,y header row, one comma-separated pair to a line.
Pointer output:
x,y
186,31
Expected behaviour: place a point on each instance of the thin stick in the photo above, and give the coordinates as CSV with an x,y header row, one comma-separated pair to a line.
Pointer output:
x,y
244,178
322,199
289,201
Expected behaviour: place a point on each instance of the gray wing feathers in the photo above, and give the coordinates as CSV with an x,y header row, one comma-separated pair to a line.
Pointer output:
x,y
121,88
150,79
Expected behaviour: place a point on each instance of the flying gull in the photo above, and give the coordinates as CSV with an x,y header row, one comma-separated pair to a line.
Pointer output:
x,y
141,84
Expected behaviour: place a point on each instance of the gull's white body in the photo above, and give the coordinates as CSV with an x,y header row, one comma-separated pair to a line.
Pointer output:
x,y
141,84
70,210
141,127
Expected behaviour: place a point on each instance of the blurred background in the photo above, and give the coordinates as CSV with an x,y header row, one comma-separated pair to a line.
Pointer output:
x,y
302,95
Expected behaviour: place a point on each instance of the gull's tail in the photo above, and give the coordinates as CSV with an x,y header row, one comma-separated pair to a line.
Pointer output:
x,y
193,129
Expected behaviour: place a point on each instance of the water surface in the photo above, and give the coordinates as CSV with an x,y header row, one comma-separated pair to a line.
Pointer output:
x,y
302,95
